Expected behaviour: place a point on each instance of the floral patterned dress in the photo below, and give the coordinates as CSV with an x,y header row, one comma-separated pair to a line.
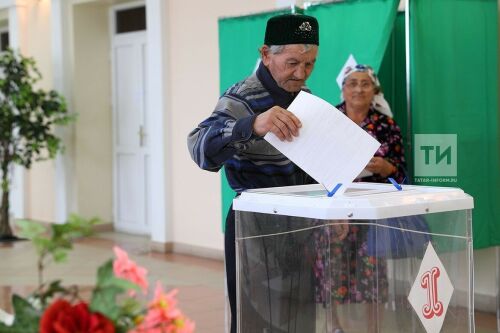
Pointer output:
x,y
354,275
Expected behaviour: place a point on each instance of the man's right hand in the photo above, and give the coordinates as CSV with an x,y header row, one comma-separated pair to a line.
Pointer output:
x,y
284,124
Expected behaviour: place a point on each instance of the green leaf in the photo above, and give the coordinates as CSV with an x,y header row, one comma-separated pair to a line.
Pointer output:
x,y
47,292
59,255
27,114
129,311
108,287
30,230
26,319
104,301
55,240
106,277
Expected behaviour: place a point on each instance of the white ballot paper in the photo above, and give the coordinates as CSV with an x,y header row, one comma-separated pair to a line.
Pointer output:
x,y
364,173
330,147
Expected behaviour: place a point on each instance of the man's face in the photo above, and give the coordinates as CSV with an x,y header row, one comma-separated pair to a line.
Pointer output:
x,y
290,68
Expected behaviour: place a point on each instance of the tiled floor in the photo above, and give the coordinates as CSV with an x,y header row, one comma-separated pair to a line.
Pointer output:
x,y
200,281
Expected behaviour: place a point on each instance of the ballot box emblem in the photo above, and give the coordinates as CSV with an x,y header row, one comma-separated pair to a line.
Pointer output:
x,y
431,292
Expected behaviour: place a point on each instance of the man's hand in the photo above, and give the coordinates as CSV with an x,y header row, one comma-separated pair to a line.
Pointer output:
x,y
284,124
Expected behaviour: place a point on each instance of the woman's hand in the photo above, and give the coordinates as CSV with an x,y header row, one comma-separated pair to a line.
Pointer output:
x,y
340,229
381,166
284,124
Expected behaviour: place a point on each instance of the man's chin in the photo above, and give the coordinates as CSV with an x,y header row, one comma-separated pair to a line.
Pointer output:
x,y
293,89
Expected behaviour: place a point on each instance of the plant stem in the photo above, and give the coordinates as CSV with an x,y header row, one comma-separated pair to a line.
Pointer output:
x,y
40,267
5,229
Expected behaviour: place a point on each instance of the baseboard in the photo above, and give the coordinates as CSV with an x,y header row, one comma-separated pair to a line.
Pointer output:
x,y
103,227
486,303
198,251
161,247
99,227
192,250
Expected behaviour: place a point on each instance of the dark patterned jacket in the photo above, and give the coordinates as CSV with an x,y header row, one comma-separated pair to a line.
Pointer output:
x,y
226,138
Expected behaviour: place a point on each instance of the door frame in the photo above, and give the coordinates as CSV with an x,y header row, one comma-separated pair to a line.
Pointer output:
x,y
156,13
114,38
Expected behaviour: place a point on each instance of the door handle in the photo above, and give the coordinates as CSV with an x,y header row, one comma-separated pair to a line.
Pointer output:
x,y
142,136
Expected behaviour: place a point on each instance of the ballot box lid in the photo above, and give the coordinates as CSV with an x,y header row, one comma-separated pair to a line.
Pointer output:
x,y
358,201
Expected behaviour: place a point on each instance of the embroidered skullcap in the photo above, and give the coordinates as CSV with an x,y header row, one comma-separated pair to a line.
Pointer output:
x,y
292,29
379,102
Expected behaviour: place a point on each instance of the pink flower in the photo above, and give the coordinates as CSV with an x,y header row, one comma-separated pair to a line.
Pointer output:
x,y
127,269
163,315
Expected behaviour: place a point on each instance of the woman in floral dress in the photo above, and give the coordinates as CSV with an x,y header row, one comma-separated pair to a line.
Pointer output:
x,y
356,276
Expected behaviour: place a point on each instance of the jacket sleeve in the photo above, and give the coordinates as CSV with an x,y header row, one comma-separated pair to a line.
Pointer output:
x,y
220,136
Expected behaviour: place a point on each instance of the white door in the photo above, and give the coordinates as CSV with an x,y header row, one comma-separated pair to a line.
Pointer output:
x,y
131,144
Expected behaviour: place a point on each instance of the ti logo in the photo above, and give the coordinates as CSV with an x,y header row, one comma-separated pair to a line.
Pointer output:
x,y
435,155
431,292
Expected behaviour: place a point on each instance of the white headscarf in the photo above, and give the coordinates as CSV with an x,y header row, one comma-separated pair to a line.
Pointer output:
x,y
378,103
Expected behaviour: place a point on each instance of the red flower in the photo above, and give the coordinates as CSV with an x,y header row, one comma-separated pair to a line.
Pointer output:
x,y
62,317
342,291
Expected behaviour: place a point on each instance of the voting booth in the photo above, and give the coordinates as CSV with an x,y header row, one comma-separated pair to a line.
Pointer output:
x,y
372,259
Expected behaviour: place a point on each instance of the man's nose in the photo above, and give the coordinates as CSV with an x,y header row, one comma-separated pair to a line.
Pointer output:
x,y
300,72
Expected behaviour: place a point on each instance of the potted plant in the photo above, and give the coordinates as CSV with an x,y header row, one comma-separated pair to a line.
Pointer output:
x,y
28,117
117,303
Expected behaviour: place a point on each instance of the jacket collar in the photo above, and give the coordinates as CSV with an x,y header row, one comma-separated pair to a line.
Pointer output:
x,y
280,96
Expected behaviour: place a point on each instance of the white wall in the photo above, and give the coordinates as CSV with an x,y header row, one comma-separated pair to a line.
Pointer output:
x,y
40,179
485,283
92,103
193,92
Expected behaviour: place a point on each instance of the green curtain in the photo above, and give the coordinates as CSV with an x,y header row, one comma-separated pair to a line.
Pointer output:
x,y
454,50
392,76
239,41
343,31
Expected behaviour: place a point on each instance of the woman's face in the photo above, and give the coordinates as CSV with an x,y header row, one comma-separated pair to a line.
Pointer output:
x,y
358,90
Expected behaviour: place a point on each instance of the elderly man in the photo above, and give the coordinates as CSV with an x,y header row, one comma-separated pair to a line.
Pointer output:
x,y
233,135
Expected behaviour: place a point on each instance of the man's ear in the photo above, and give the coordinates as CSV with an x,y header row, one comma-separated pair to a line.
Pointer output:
x,y
264,54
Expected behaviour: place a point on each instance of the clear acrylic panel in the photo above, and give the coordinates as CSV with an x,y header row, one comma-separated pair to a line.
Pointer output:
x,y
300,275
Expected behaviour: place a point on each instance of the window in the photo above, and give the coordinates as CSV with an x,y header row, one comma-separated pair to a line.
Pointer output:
x,y
131,19
4,40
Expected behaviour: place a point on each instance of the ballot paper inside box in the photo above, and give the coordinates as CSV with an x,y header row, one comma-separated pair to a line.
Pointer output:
x,y
295,274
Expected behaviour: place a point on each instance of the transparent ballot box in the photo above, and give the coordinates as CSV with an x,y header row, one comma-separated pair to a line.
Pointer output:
x,y
372,259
